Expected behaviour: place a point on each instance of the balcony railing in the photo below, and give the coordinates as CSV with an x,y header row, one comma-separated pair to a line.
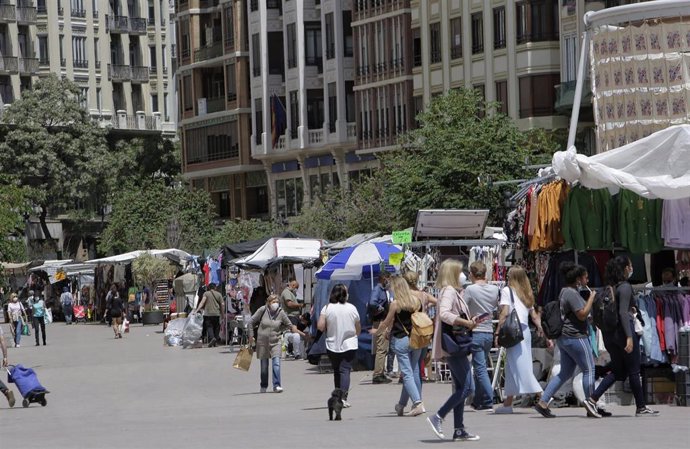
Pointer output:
x,y
119,72
200,157
208,52
215,104
137,25
140,74
352,130
7,13
314,61
537,36
26,14
117,24
44,61
8,64
315,137
80,64
28,66
81,13
42,9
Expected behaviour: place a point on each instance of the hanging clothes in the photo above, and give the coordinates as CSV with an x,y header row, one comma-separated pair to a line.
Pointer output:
x,y
588,219
639,223
548,235
675,229
554,280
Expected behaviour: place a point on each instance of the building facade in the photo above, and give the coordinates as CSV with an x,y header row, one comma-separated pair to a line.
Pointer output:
x,y
214,107
303,106
118,52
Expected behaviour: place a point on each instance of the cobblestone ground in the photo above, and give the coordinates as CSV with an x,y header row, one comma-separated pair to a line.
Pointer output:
x,y
136,393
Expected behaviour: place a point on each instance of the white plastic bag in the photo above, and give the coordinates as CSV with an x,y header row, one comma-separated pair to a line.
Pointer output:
x,y
125,325
48,316
192,330
173,332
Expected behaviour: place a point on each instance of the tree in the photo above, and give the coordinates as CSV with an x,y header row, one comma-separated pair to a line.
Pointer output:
x,y
451,160
13,205
53,147
148,270
143,214
235,231
140,159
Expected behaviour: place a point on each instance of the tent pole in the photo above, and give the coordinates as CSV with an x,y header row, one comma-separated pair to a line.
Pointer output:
x,y
581,70
371,274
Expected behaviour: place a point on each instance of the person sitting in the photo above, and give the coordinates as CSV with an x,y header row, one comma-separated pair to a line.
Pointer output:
x,y
297,340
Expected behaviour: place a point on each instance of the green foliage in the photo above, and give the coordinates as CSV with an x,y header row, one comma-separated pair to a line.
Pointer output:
x,y
235,231
142,215
446,161
52,146
340,213
141,159
13,205
147,270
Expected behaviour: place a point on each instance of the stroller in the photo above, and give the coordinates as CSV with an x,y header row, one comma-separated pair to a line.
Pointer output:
x,y
27,384
79,313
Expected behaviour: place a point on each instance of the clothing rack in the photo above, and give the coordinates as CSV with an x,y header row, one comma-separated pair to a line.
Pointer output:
x,y
638,288
525,186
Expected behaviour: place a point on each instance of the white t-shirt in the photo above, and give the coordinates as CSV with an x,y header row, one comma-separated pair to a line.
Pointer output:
x,y
341,331
15,310
522,310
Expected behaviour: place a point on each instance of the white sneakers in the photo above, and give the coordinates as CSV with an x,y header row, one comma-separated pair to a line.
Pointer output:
x,y
503,410
417,409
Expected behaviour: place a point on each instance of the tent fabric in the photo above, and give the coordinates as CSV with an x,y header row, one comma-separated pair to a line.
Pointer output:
x,y
242,249
176,255
352,241
656,166
357,262
279,250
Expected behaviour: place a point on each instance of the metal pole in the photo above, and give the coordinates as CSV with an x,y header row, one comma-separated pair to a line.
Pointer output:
x,y
575,116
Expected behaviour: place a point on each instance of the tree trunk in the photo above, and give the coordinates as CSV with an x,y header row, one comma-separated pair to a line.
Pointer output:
x,y
46,232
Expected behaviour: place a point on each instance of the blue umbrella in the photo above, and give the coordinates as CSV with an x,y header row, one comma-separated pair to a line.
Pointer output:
x,y
358,262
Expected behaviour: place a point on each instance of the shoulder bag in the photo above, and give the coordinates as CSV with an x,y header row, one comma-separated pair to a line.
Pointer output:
x,y
456,341
510,334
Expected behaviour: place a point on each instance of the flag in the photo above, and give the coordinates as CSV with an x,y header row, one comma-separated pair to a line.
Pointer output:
x,y
278,119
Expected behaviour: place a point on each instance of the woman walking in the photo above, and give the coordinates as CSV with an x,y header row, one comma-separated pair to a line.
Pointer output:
x,y
452,311
39,312
412,278
573,344
272,321
340,321
623,344
519,376
114,309
397,327
17,316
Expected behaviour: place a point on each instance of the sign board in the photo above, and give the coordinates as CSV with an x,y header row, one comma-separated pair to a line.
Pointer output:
x,y
395,259
400,237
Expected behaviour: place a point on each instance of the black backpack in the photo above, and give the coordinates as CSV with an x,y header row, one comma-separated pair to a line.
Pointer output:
x,y
605,310
552,319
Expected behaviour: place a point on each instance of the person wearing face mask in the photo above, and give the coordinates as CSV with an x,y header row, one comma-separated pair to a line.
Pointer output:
x,y
623,344
340,321
272,322
378,310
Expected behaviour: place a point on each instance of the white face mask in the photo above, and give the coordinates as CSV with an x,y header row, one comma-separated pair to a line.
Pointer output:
x,y
630,274
274,307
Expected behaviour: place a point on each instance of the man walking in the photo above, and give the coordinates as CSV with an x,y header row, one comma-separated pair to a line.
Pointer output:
x,y
378,309
212,305
3,389
66,302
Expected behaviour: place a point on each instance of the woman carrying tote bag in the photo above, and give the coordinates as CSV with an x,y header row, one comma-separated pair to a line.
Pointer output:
x,y
519,376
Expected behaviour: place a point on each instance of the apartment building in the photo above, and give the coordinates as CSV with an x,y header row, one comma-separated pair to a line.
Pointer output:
x,y
117,51
303,106
214,107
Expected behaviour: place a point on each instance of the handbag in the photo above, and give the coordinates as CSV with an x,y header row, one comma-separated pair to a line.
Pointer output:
x,y
456,341
243,360
510,334
26,331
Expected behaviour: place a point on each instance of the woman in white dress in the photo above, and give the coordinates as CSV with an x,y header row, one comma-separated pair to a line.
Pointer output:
x,y
519,377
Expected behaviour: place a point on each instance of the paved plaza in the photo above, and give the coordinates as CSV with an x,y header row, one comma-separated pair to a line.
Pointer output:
x,y
136,393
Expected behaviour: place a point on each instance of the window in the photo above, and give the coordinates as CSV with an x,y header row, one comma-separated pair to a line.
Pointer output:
x,y
294,114
43,52
152,57
276,63
477,33
187,92
500,27
315,112
350,101
502,96
99,98
41,7
77,8
184,37
84,97
330,36
165,107
417,47
435,42
94,8
229,25
456,38
347,34
96,52
62,51
312,43
256,55
537,95
258,120
231,82
291,46
569,55
79,52
289,196
418,107
537,20
332,106
154,102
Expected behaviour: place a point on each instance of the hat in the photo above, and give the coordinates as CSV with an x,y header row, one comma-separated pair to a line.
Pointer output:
x,y
65,289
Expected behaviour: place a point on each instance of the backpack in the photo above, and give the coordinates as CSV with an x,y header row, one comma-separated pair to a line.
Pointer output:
x,y
552,319
422,330
605,310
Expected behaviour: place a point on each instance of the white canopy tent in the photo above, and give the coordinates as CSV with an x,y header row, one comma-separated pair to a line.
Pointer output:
x,y
173,254
277,251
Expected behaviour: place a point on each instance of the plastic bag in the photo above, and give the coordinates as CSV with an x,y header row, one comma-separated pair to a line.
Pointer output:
x,y
192,330
48,316
174,331
125,325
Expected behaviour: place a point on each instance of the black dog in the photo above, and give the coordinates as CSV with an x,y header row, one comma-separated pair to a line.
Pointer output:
x,y
335,404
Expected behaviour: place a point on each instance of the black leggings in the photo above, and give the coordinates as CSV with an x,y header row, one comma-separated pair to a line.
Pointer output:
x,y
40,321
623,365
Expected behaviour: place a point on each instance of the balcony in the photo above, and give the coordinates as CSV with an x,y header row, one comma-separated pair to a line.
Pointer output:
x,y
7,13
81,64
565,96
44,62
137,25
8,65
117,24
209,52
215,105
26,15
42,9
138,122
78,13
28,66
119,72
140,74
315,137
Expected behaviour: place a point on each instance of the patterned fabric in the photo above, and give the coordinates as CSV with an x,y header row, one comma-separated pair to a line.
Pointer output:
x,y
640,81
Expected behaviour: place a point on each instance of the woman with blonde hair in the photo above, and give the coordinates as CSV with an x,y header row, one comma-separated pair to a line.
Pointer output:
x,y
397,327
519,376
452,311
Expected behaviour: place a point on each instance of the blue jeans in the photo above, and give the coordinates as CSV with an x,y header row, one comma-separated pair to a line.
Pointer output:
x,y
462,380
17,331
408,362
574,352
67,310
276,372
481,346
